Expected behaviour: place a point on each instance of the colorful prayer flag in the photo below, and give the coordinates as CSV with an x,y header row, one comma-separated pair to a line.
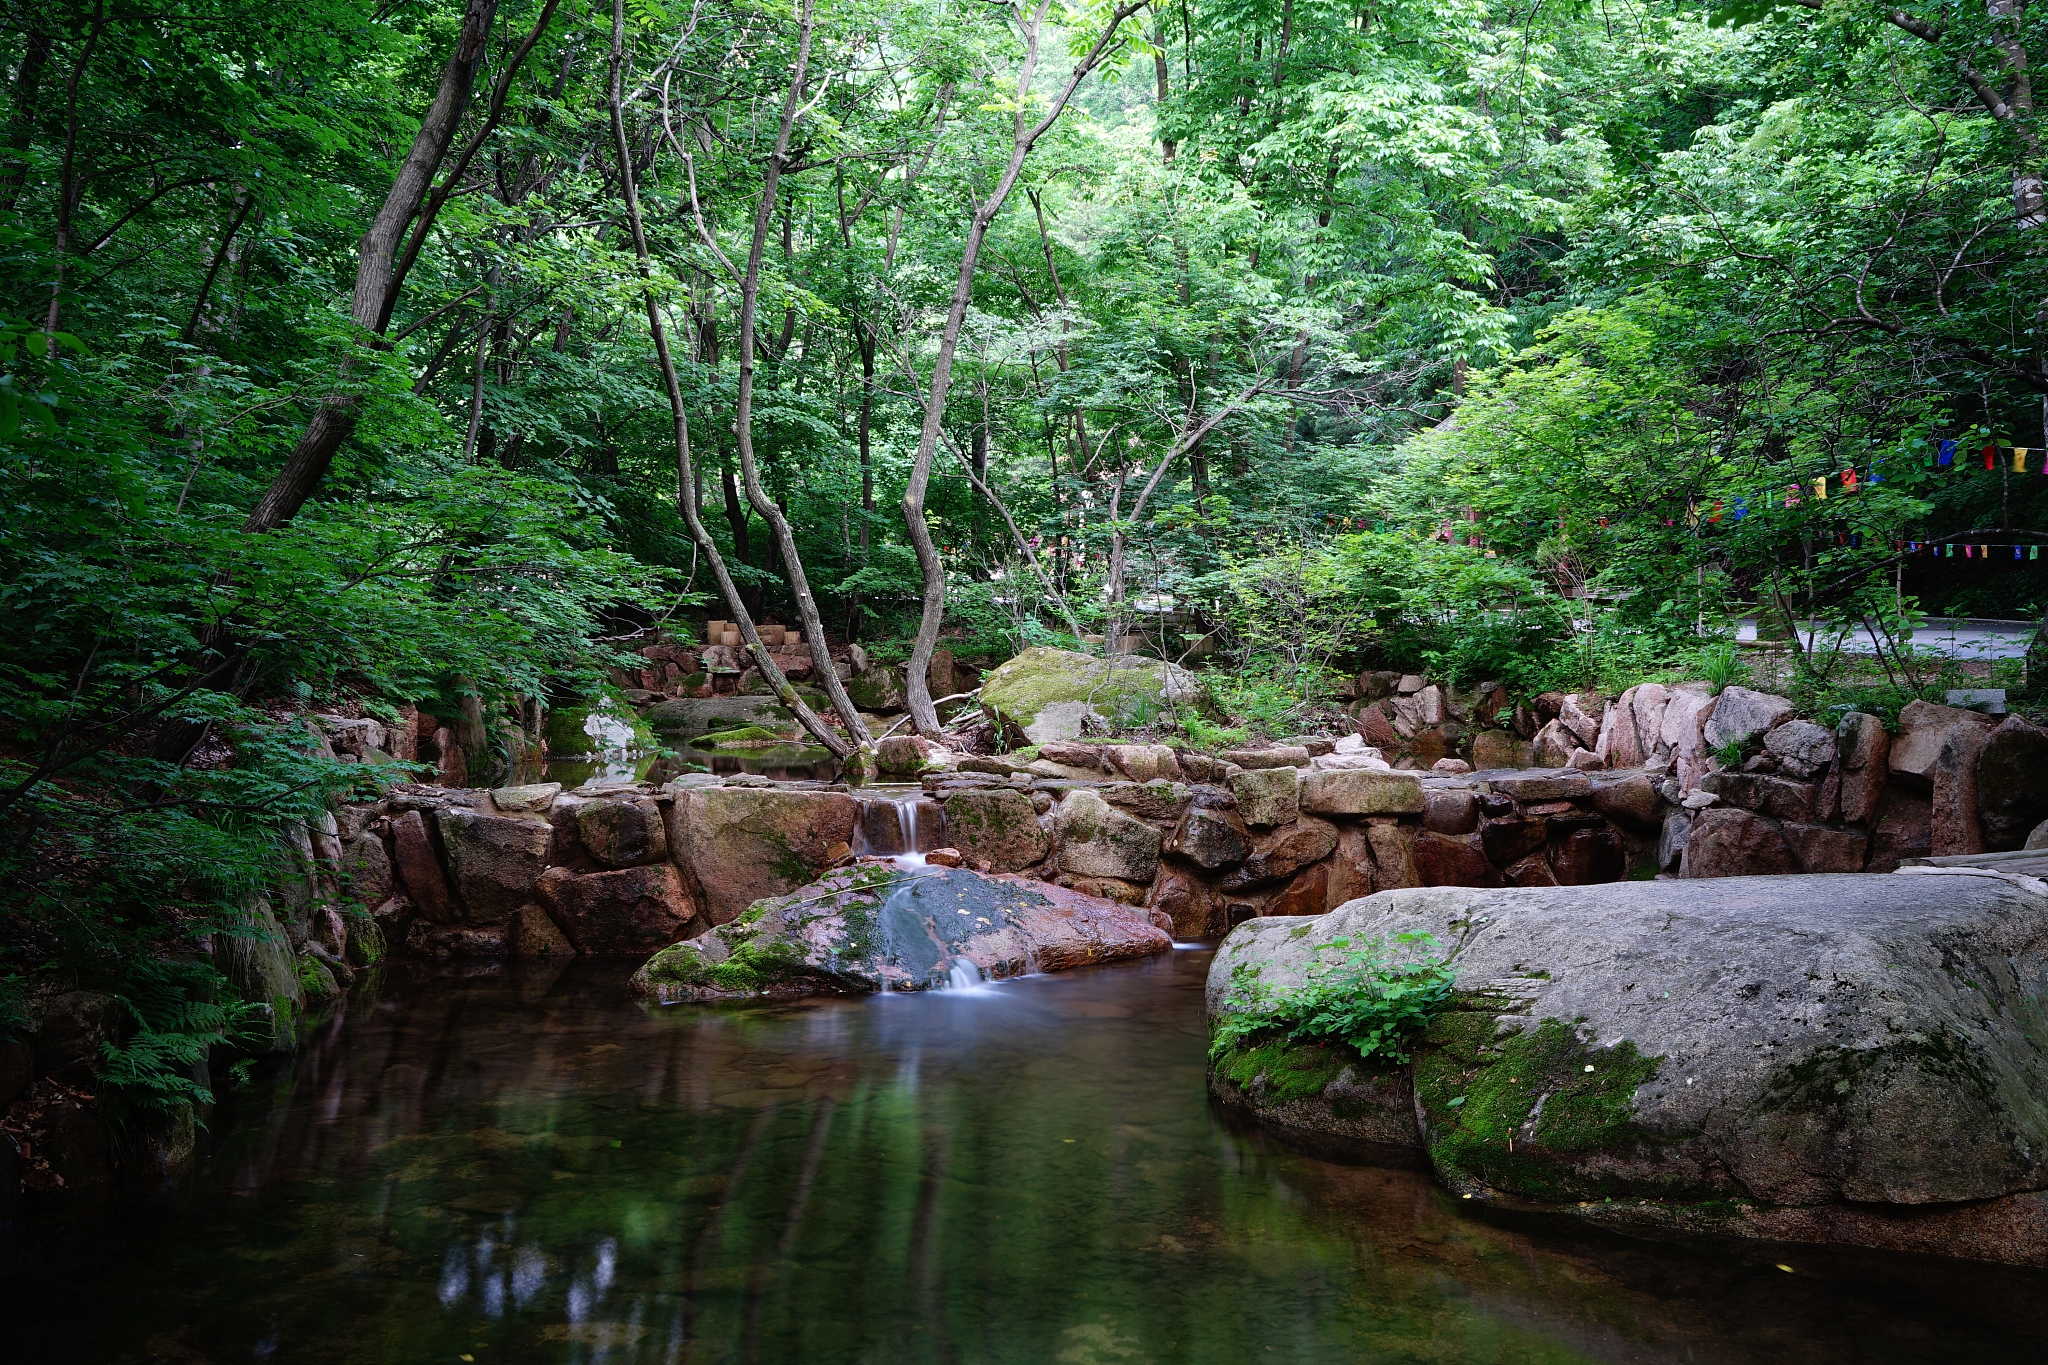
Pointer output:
x,y
1849,479
1948,454
1741,508
1820,489
2019,463
1990,455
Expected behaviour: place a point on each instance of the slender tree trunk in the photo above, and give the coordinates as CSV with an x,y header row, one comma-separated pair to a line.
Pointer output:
x,y
21,125
843,746
67,179
1024,137
743,423
386,253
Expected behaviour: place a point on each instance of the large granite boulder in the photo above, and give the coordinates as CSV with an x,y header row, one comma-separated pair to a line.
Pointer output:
x,y
1728,841
1282,853
254,954
2012,784
998,825
1044,694
879,928
740,844
1852,1059
1095,839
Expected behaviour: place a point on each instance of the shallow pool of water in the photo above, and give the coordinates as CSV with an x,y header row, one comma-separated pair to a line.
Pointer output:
x,y
529,1167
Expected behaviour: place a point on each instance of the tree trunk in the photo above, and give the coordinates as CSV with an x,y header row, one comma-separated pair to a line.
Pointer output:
x,y
743,418
846,746
1023,138
380,269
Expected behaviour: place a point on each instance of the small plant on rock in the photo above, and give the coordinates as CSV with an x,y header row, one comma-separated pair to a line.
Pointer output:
x,y
1362,997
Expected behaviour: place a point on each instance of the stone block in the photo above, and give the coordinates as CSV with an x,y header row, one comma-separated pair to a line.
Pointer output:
x,y
1361,791
1630,800
740,844
1742,716
1802,748
1905,829
1376,728
366,870
1187,900
534,799
1956,827
998,825
623,832
1726,842
1211,837
1582,716
533,933
1923,729
1553,745
1142,762
1450,812
1533,870
1512,839
419,868
1393,855
1588,857
1863,752
631,910
1267,796
1308,893
1282,853
1821,849
495,861
1492,749
2012,784
1279,756
1543,784
1687,709
1351,869
1095,839
1450,860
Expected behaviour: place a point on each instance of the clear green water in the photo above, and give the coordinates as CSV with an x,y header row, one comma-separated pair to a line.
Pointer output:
x,y
529,1167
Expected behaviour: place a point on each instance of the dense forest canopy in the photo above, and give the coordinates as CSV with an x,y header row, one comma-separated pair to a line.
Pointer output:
x,y
419,352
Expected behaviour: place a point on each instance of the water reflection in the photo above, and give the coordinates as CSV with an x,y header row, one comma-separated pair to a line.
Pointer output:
x,y
523,1166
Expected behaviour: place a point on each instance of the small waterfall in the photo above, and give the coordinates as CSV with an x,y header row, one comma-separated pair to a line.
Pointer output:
x,y
963,974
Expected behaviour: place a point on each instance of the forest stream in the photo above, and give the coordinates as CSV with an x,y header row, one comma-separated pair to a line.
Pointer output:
x,y
525,1166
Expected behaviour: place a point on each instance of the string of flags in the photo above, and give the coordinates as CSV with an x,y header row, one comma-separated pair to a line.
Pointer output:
x,y
2014,458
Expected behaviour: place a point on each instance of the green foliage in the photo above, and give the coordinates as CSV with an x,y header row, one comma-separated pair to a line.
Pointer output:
x,y
1368,997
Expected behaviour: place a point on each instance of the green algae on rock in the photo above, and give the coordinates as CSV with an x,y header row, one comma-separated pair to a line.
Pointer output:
x,y
877,927
1044,694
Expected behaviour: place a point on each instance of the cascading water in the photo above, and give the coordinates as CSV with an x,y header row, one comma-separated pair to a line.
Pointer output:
x,y
915,921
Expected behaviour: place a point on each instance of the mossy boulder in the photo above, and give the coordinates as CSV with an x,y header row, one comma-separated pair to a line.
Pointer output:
x,y
877,927
1098,840
1044,694
998,824
1844,1058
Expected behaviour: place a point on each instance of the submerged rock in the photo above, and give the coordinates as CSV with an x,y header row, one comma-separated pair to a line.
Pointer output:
x,y
1852,1059
878,927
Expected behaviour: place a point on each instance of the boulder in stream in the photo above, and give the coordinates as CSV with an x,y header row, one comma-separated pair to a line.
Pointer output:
x,y
1841,1058
878,927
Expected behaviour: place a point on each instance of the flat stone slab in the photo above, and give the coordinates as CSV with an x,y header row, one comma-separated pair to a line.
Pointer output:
x,y
1850,1058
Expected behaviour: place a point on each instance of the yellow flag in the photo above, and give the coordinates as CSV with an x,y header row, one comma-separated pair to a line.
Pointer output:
x,y
2019,459
1820,488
